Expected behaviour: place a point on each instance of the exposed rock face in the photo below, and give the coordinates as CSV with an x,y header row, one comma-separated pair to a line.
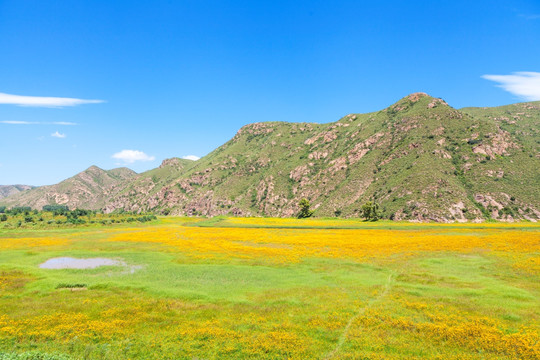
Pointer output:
x,y
171,162
414,97
420,159
500,144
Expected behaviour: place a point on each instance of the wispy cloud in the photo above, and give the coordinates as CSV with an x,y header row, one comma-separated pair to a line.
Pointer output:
x,y
525,84
56,134
130,156
62,123
191,157
43,101
16,122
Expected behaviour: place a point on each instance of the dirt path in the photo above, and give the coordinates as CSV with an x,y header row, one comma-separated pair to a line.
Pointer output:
x,y
360,312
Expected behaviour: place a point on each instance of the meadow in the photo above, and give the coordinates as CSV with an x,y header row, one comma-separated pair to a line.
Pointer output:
x,y
266,288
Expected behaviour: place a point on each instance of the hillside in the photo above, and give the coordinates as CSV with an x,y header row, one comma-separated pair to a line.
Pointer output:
x,y
89,189
8,190
420,159
144,191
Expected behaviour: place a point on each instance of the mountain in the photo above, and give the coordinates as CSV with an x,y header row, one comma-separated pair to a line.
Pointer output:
x,y
89,189
8,190
420,159
143,193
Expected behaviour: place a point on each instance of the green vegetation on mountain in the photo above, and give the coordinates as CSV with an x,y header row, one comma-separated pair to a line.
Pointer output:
x,y
419,159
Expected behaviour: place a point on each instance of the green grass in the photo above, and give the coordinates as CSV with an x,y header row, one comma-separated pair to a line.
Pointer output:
x,y
171,275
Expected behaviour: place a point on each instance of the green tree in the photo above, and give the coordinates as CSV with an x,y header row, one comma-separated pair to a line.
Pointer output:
x,y
370,211
305,212
3,217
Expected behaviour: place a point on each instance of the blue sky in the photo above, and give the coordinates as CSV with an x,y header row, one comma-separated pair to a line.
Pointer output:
x,y
178,78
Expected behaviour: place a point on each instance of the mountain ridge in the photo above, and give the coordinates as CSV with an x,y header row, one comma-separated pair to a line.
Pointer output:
x,y
87,189
8,190
419,158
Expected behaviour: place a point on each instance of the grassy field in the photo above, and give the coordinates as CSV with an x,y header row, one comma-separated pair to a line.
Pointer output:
x,y
243,288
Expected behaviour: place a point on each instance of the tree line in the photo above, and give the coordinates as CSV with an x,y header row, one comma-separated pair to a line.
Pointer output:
x,y
61,214
369,211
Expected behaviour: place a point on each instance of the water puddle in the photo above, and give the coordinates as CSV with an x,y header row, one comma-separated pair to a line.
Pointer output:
x,y
73,263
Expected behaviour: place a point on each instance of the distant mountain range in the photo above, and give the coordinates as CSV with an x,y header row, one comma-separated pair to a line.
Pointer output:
x,y
8,190
420,159
89,189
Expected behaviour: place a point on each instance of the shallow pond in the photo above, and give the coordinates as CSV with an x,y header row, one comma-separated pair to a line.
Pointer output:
x,y
73,263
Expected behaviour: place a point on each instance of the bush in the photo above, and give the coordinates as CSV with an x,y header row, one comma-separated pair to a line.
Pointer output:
x,y
70,286
20,210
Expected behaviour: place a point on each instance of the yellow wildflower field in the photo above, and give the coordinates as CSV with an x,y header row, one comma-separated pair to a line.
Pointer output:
x,y
247,288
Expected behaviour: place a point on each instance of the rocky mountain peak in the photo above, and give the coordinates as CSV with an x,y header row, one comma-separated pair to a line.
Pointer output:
x,y
417,100
170,162
94,169
414,97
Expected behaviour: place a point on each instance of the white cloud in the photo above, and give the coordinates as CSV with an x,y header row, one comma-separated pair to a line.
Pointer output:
x,y
191,157
130,156
525,84
43,101
17,122
62,123
58,135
